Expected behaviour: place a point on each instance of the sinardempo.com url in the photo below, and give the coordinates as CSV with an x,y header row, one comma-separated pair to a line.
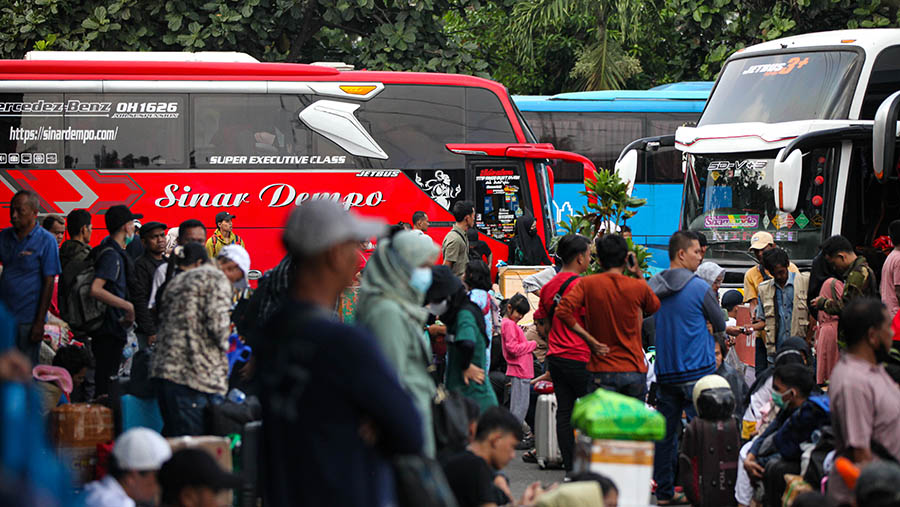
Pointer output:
x,y
67,134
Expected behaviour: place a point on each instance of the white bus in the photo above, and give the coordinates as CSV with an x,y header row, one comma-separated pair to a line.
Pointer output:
x,y
785,144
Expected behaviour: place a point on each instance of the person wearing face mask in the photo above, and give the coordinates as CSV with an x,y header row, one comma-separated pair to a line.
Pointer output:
x,y
466,337
527,249
803,410
110,286
865,401
393,288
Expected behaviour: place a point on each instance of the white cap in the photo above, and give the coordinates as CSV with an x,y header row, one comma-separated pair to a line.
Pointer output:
x,y
238,255
141,449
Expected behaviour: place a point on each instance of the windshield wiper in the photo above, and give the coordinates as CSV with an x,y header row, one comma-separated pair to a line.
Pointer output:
x,y
744,252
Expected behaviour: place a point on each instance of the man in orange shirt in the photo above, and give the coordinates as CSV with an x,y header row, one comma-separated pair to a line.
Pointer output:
x,y
615,306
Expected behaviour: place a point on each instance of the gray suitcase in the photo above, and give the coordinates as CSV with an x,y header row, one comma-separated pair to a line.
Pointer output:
x,y
545,442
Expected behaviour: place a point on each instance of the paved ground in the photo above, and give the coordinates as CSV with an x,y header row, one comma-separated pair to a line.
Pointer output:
x,y
522,474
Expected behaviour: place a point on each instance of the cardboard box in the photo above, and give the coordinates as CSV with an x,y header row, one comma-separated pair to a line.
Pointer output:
x,y
629,464
75,431
510,282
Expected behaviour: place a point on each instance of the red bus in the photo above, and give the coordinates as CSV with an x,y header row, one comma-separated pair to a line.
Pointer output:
x,y
175,140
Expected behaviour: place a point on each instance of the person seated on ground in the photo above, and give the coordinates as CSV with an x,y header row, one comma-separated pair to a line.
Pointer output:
x,y
192,478
471,473
607,486
52,385
760,409
137,456
777,451
734,378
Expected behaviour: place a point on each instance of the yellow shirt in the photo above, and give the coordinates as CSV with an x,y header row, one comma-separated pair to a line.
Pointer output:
x,y
752,279
217,242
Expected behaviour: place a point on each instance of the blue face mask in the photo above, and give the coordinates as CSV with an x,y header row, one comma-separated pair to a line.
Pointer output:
x,y
421,279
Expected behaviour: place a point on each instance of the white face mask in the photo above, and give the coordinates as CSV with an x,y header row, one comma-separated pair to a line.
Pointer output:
x,y
437,309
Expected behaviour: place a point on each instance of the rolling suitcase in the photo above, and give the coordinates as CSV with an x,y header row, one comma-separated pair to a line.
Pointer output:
x,y
545,442
708,462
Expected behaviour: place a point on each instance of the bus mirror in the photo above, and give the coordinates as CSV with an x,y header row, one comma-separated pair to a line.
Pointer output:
x,y
884,137
787,176
626,168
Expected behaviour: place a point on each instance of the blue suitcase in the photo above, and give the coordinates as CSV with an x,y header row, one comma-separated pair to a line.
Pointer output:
x,y
140,412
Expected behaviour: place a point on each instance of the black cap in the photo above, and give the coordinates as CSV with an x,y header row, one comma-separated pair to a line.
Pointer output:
x,y
878,484
223,215
149,227
119,215
194,467
731,299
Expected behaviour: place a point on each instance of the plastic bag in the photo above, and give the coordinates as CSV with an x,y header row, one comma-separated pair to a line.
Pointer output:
x,y
131,346
608,415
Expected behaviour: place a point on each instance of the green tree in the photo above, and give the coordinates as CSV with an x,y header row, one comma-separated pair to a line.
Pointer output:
x,y
382,34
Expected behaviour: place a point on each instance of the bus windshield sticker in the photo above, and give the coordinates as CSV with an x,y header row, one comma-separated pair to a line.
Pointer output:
x,y
766,221
731,221
777,69
801,220
439,188
783,220
817,221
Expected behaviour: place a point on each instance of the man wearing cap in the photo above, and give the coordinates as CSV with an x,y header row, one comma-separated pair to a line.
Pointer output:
x,y
137,456
223,236
192,478
110,286
30,258
760,243
333,407
153,236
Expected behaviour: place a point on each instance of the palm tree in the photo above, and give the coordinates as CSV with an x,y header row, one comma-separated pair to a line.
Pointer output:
x,y
603,63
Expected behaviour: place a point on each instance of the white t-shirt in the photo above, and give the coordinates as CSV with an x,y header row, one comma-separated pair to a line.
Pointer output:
x,y
106,492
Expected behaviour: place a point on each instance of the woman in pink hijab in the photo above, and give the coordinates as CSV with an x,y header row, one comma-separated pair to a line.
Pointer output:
x,y
827,353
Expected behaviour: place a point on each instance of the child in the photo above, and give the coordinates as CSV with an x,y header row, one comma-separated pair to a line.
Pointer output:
x,y
517,352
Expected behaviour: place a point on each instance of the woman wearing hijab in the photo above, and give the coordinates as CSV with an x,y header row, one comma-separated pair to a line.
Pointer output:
x,y
467,342
827,353
713,274
527,249
391,295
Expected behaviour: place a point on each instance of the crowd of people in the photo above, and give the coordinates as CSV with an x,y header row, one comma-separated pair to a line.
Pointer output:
x,y
431,345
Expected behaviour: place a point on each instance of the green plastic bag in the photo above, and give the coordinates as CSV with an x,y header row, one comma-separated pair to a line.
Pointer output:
x,y
613,416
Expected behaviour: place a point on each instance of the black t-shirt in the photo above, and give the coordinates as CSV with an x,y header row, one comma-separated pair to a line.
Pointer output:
x,y
472,480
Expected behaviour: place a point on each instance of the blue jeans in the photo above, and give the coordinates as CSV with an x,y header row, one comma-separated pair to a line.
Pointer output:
x,y
672,400
183,409
629,383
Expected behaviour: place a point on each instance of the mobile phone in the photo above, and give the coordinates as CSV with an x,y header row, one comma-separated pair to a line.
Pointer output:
x,y
631,260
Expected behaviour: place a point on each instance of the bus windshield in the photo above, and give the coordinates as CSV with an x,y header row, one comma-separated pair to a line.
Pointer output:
x,y
730,197
784,87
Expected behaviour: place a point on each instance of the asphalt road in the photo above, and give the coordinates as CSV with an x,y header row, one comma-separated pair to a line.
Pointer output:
x,y
522,474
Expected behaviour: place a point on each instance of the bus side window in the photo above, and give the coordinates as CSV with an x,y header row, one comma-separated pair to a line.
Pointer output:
x,y
486,121
22,133
884,80
445,186
125,131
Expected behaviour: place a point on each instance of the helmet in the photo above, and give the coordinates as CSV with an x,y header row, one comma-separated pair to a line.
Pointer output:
x,y
713,398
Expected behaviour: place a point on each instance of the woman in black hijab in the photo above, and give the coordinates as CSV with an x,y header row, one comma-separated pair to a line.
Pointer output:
x,y
527,249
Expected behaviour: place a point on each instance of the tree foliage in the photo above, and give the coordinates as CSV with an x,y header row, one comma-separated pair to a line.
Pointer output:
x,y
375,34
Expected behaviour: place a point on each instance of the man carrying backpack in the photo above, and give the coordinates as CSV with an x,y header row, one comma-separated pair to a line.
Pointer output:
x,y
110,287
30,258
74,254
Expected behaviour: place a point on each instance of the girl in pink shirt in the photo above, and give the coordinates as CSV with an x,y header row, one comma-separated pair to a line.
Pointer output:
x,y
517,352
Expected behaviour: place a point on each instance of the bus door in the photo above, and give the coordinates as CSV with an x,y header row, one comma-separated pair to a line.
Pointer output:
x,y
510,180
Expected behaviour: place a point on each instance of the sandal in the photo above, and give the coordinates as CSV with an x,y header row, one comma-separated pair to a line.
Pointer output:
x,y
530,456
678,498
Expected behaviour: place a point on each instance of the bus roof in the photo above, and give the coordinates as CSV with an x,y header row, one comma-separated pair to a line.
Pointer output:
x,y
686,97
219,71
872,40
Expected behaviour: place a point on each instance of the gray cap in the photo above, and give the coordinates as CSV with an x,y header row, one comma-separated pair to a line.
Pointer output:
x,y
318,225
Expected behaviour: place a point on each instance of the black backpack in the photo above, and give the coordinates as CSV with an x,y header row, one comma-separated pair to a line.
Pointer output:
x,y
81,311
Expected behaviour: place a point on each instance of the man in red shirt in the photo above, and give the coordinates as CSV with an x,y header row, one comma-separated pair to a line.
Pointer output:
x,y
614,306
568,353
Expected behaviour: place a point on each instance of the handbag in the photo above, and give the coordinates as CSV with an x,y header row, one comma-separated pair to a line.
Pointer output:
x,y
451,423
420,482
